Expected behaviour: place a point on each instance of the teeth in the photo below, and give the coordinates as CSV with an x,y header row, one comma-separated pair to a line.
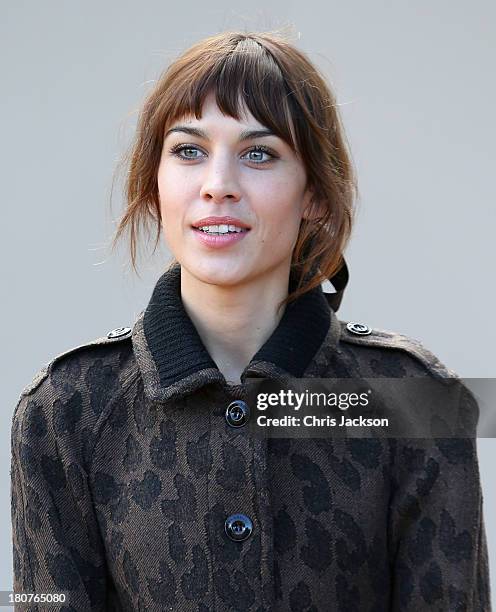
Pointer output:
x,y
220,229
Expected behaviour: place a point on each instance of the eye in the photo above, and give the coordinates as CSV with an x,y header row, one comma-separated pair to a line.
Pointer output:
x,y
177,150
261,149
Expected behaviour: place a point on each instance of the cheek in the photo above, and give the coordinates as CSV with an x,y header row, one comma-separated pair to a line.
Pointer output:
x,y
280,228
283,212
172,194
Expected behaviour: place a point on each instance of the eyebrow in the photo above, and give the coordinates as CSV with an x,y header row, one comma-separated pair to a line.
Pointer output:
x,y
245,134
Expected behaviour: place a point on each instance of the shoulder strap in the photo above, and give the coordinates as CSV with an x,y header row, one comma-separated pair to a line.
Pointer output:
x,y
362,334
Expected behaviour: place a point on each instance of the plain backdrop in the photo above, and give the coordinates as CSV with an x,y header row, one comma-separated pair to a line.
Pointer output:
x,y
415,84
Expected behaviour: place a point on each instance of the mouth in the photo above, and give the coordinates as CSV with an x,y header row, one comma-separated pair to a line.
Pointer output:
x,y
221,230
219,237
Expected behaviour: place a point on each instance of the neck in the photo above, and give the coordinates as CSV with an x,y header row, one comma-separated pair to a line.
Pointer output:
x,y
233,322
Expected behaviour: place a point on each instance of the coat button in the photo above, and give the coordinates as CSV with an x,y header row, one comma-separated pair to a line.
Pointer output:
x,y
237,413
358,328
118,332
238,527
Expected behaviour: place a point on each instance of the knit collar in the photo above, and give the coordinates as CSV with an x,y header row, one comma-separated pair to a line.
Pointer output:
x,y
174,361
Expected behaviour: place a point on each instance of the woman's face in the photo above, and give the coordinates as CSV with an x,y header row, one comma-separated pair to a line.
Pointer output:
x,y
217,174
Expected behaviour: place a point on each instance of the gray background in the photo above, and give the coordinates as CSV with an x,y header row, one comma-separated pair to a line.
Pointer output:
x,y
415,81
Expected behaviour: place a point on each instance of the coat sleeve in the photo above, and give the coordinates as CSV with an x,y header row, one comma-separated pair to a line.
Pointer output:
x,y
57,547
437,534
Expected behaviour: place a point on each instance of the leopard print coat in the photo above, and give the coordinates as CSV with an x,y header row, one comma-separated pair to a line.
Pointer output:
x,y
131,490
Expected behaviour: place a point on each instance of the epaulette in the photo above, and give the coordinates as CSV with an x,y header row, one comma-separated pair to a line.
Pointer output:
x,y
113,336
361,334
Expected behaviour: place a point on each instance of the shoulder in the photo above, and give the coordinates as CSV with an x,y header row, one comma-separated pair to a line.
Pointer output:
x,y
56,414
67,396
389,348
105,352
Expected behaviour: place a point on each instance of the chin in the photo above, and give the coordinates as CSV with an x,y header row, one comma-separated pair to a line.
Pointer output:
x,y
217,273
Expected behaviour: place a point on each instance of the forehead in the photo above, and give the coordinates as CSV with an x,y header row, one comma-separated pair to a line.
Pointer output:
x,y
210,112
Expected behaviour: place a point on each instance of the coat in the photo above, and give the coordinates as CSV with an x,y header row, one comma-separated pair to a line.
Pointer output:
x,y
135,485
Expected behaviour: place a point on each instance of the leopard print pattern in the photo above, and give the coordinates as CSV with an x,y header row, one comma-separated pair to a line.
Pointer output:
x,y
120,501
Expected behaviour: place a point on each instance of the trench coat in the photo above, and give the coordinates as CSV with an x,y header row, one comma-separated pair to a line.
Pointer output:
x,y
136,486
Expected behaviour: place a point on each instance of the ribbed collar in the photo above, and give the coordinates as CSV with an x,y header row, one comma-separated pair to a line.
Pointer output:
x,y
174,361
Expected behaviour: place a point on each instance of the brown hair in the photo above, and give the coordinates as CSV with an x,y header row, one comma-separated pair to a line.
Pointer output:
x,y
284,91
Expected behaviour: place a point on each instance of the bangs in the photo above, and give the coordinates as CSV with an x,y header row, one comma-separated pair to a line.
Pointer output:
x,y
244,76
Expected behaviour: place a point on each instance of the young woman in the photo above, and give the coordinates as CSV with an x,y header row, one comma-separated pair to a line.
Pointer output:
x,y
136,483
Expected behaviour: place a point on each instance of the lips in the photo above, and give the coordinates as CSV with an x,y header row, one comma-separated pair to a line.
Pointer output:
x,y
219,241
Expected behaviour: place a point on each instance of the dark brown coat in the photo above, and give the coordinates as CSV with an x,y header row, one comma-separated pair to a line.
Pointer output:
x,y
124,471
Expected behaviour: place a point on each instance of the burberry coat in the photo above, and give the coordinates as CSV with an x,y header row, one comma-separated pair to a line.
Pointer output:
x,y
136,487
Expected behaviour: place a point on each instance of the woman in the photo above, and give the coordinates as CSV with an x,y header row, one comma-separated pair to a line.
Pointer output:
x,y
136,484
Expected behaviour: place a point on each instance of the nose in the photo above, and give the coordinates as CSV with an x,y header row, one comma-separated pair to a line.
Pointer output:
x,y
220,183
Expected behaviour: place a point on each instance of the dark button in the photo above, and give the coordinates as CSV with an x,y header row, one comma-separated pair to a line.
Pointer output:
x,y
118,332
237,413
238,527
358,328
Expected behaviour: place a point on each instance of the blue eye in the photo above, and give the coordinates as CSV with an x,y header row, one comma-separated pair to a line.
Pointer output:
x,y
261,149
178,149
